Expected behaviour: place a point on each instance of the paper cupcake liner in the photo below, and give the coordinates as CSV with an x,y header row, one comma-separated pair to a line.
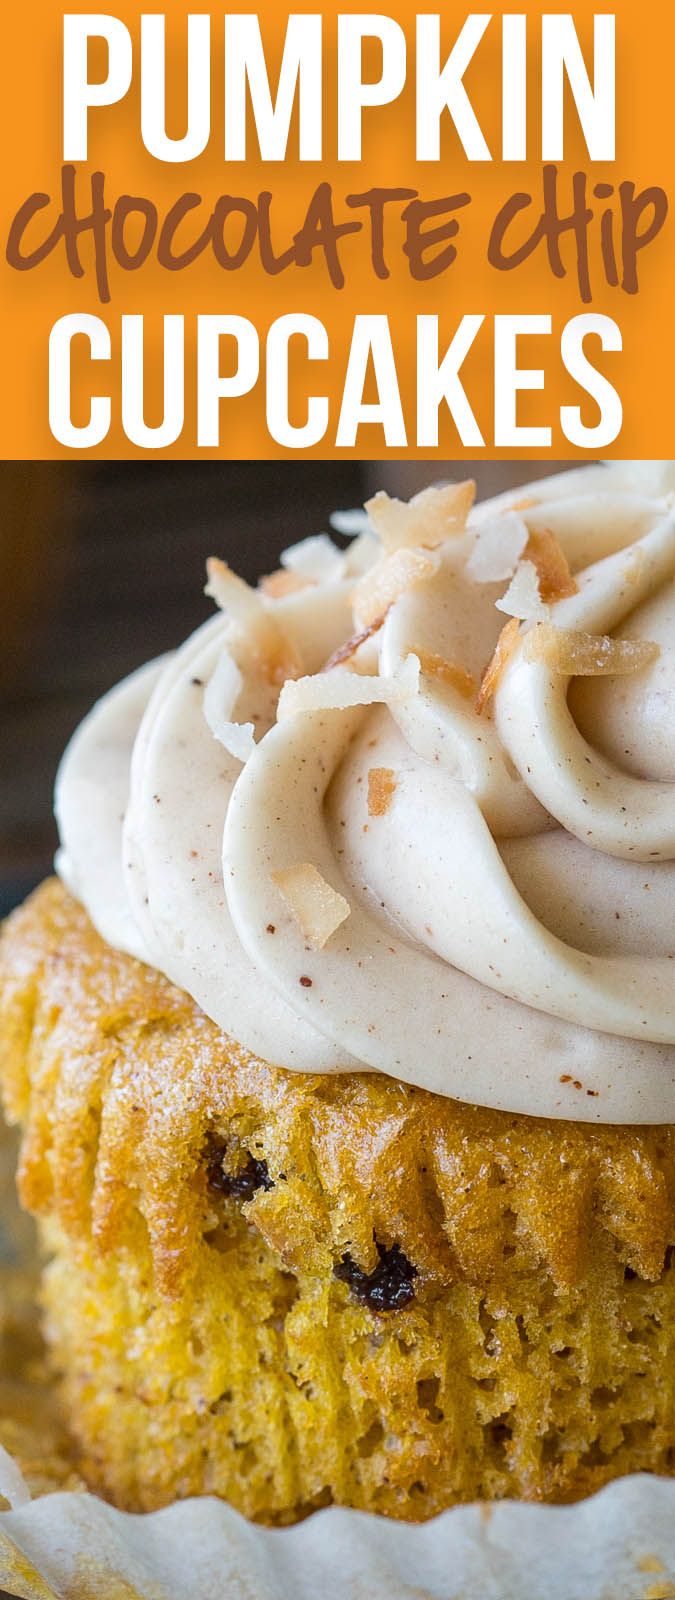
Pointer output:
x,y
619,1545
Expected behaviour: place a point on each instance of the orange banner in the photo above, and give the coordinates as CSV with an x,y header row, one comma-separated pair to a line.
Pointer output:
x,y
337,233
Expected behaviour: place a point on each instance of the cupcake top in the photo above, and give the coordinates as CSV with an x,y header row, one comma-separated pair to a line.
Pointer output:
x,y
408,807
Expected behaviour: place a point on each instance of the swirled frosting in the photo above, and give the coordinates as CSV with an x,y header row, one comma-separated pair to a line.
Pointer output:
x,y
505,859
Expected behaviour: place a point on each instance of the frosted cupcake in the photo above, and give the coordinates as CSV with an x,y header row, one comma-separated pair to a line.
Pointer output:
x,y
344,1048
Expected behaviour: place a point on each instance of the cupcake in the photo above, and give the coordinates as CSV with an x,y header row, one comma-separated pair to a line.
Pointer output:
x,y
343,1043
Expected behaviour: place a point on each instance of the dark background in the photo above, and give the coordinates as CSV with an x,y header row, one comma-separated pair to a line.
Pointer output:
x,y
102,567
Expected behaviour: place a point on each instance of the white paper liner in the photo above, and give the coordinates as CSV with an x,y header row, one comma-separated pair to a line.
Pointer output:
x,y
620,1545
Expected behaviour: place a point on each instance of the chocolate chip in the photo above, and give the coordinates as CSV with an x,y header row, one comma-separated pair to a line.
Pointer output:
x,y
388,1287
239,1185
306,982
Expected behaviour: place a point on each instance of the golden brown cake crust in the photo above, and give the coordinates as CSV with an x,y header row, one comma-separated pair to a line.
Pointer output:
x,y
288,1288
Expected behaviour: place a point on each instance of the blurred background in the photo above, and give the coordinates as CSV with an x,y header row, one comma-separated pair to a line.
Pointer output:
x,y
102,567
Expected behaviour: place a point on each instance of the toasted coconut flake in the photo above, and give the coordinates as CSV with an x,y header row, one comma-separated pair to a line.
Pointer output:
x,y
586,655
316,558
318,909
504,648
341,688
277,584
277,658
220,697
522,598
381,790
237,738
432,516
231,593
346,652
351,523
500,542
380,587
362,554
435,666
525,503
552,567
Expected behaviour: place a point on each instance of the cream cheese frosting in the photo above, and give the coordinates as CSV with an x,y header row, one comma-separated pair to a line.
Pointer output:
x,y
503,860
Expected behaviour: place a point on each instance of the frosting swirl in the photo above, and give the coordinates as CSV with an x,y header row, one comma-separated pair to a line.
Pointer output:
x,y
507,872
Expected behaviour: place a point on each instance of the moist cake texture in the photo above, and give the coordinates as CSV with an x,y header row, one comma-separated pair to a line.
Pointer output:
x,y
291,1290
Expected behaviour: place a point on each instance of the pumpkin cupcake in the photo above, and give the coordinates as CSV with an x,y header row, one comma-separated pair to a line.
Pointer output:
x,y
343,1046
